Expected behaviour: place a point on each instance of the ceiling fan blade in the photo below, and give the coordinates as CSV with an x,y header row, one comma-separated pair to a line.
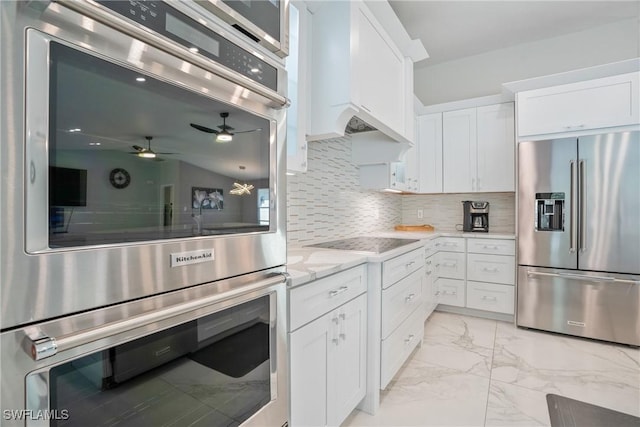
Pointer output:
x,y
247,131
203,128
159,152
137,147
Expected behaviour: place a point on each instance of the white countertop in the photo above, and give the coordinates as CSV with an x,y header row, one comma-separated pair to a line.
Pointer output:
x,y
305,264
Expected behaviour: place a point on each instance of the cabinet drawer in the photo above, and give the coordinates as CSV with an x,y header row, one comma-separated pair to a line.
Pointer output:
x,y
400,300
451,265
430,248
314,299
491,268
491,246
490,297
401,266
450,292
450,244
397,348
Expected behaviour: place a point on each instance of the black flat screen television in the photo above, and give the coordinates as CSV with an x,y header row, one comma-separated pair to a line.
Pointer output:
x,y
67,187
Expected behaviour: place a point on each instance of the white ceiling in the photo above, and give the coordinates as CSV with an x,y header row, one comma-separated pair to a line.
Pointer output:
x,y
450,30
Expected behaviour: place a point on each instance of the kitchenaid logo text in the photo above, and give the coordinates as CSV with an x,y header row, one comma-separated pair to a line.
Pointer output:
x,y
39,415
193,257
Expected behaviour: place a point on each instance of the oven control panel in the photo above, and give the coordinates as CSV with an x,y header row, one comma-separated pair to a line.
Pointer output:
x,y
162,18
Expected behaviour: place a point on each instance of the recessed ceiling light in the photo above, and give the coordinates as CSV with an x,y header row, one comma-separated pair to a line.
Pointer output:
x,y
194,49
75,130
94,143
255,70
141,79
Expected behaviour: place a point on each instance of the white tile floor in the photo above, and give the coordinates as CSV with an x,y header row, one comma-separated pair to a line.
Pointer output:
x,y
479,372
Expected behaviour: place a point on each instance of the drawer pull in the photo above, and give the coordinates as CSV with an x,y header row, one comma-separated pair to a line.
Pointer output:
x,y
162,351
409,264
335,320
494,247
343,316
491,270
489,298
335,341
409,298
450,264
408,340
437,265
338,291
453,293
343,337
437,293
429,272
428,262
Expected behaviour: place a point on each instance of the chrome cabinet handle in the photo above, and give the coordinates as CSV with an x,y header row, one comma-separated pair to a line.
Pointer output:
x,y
429,272
489,298
450,264
335,320
408,340
428,262
495,247
343,336
338,291
490,270
342,316
409,264
409,298
42,346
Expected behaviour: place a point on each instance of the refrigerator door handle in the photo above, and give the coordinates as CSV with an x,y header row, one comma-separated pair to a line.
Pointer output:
x,y
583,277
582,182
573,217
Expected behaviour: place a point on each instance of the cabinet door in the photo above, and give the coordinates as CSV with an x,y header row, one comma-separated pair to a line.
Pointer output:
x,y
429,140
412,168
495,148
591,104
381,75
459,150
308,372
297,74
346,364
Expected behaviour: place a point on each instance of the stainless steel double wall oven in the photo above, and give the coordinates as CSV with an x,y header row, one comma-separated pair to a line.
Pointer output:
x,y
142,221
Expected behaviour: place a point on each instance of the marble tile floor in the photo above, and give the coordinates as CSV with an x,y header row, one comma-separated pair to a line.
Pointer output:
x,y
478,372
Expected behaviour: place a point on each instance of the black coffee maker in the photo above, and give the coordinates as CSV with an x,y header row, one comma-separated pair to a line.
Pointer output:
x,y
476,216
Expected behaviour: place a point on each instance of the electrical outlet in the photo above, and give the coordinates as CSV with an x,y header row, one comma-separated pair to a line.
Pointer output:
x,y
420,213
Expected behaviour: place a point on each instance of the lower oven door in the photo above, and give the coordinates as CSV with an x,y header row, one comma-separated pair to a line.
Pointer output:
x,y
198,357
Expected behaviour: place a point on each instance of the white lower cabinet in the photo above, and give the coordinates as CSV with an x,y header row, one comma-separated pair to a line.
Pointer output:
x,y
328,355
490,297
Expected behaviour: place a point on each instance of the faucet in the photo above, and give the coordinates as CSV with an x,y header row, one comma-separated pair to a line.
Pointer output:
x,y
201,196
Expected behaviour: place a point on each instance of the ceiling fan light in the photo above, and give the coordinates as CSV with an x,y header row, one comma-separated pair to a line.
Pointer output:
x,y
224,137
147,155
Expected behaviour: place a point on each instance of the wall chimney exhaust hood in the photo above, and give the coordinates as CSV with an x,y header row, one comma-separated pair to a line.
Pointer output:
x,y
362,71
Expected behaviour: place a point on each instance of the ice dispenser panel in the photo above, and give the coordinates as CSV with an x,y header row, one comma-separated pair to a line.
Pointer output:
x,y
549,212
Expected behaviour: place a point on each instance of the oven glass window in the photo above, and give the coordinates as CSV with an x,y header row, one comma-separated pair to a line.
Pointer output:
x,y
214,371
133,158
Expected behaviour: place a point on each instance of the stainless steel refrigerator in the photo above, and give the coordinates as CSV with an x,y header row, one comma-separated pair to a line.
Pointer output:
x,y
579,236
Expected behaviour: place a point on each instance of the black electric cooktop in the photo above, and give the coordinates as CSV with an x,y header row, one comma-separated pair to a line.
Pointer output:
x,y
365,244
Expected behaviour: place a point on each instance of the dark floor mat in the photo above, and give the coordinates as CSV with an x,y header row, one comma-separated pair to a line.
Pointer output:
x,y
237,354
565,412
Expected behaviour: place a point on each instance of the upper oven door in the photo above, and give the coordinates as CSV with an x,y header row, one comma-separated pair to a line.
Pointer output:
x,y
119,170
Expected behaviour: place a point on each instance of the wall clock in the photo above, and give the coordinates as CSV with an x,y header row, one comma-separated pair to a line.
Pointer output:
x,y
119,178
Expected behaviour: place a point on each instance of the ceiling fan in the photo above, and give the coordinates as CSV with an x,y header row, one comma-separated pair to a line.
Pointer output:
x,y
146,153
224,134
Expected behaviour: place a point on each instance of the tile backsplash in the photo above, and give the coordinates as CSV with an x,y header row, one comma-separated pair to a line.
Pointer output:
x,y
444,211
326,202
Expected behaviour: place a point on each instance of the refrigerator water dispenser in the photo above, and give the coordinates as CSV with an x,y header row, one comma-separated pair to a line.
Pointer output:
x,y
549,212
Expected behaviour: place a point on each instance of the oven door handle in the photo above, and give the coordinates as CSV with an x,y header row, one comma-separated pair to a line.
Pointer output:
x,y
41,346
93,11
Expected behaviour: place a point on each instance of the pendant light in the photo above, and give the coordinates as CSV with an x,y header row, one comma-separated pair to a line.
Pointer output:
x,y
240,189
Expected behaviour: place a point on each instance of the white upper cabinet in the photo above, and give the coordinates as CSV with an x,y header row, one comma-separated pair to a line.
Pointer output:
x,y
478,149
496,148
358,71
380,73
429,153
592,104
298,80
459,150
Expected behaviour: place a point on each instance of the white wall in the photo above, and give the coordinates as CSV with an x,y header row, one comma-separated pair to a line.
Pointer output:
x,y
483,75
